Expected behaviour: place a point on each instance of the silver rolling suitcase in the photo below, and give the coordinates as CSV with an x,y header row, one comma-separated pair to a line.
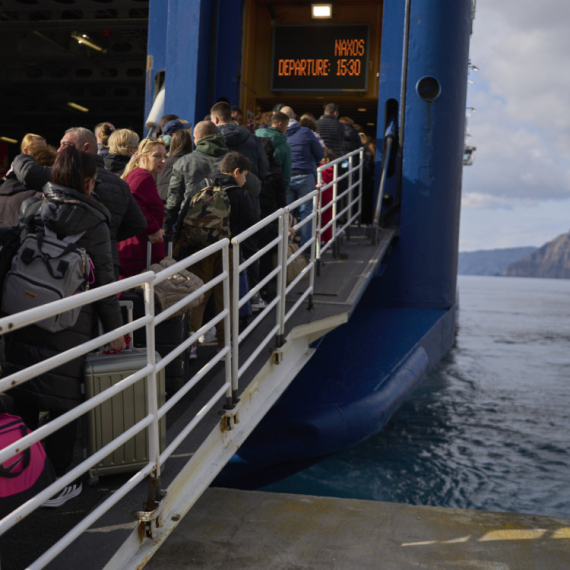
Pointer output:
x,y
116,415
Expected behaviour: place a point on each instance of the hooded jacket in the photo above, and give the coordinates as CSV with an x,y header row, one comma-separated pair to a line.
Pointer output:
x,y
239,139
282,150
116,162
12,194
163,178
65,211
306,152
127,220
191,173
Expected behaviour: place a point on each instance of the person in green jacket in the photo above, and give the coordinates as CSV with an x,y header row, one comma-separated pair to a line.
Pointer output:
x,y
276,132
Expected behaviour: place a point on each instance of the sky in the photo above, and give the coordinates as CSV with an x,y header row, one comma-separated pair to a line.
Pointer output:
x,y
517,192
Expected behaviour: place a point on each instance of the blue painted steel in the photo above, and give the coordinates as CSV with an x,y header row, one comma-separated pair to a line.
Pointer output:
x,y
157,26
404,322
229,50
423,269
391,70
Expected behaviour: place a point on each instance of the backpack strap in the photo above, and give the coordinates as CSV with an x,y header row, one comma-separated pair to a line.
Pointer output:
x,y
63,265
7,472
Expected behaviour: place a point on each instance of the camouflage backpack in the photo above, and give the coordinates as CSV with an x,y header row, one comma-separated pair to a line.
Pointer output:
x,y
207,219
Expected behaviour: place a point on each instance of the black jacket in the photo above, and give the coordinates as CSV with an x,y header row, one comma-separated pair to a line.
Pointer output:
x,y
163,179
127,220
351,139
239,139
272,195
242,209
12,194
116,162
66,212
332,133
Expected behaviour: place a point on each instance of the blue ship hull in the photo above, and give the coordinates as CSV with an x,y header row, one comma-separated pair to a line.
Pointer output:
x,y
405,321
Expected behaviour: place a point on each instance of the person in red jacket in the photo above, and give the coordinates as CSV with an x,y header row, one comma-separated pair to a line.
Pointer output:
x,y
149,160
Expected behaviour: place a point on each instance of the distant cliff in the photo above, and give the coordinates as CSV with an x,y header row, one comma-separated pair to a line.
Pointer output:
x,y
552,260
490,261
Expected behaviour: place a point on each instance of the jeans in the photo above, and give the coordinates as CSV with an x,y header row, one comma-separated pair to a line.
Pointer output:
x,y
301,185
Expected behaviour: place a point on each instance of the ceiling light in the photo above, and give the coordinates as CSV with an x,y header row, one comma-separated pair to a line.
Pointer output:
x,y
9,140
370,124
321,11
362,110
78,107
84,39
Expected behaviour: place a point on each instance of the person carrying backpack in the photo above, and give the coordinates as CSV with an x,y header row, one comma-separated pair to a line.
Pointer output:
x,y
67,209
219,211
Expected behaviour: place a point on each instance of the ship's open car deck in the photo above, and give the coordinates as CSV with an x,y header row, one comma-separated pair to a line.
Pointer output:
x,y
340,285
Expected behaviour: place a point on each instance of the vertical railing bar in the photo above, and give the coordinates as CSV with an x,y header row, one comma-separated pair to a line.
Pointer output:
x,y
335,192
350,194
280,339
319,222
361,165
283,276
152,399
227,321
234,346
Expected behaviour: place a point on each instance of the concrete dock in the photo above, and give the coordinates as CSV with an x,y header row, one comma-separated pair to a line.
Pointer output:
x,y
255,530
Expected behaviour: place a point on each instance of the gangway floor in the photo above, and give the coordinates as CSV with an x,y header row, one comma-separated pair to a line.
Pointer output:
x,y
341,283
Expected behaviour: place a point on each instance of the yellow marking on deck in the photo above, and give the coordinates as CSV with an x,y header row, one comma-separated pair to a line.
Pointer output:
x,y
563,532
513,534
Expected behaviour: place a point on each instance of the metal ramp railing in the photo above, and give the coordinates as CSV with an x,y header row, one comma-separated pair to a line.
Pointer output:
x,y
242,392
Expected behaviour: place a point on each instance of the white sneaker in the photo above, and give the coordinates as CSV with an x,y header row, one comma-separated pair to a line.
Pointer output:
x,y
209,337
65,495
257,303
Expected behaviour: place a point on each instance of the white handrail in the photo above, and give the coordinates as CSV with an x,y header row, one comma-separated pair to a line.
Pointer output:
x,y
234,370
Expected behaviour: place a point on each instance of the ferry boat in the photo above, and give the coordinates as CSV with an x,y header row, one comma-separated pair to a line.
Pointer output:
x,y
346,340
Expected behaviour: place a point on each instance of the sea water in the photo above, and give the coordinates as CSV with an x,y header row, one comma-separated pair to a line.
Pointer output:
x,y
489,428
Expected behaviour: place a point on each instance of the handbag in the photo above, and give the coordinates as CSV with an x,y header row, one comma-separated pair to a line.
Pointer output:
x,y
295,268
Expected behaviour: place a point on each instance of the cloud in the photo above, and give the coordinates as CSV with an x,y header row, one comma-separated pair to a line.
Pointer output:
x,y
522,126
475,200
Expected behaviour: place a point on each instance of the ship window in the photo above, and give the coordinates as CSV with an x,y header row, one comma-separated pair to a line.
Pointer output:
x,y
428,88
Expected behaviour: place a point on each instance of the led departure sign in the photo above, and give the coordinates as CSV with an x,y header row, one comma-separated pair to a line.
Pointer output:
x,y
320,58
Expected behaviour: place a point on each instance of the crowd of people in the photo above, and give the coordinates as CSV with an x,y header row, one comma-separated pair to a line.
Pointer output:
x,y
122,194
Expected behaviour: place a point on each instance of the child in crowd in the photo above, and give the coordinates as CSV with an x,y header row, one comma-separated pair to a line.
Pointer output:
x,y
220,211
327,195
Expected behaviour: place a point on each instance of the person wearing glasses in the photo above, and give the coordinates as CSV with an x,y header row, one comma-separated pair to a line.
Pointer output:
x,y
140,173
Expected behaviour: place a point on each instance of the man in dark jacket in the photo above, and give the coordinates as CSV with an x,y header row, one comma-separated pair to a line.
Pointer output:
x,y
191,173
306,153
195,171
239,139
277,133
127,219
330,130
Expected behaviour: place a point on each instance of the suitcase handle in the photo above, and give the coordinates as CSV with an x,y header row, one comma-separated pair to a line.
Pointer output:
x,y
168,238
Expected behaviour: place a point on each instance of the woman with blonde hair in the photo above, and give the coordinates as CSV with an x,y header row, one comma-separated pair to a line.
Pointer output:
x,y
122,145
31,139
146,163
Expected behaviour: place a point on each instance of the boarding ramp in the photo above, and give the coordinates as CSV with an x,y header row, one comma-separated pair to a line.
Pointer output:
x,y
123,520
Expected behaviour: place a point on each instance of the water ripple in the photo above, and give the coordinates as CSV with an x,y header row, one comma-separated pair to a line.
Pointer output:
x,y
488,429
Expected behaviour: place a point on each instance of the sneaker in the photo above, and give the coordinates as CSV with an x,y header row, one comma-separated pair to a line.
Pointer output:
x,y
209,337
193,354
257,303
65,495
